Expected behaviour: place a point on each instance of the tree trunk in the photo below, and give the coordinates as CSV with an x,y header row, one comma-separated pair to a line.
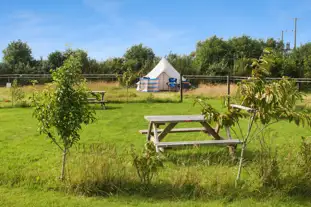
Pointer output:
x,y
240,164
250,125
62,176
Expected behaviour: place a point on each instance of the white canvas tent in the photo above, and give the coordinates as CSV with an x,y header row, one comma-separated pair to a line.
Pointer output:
x,y
163,71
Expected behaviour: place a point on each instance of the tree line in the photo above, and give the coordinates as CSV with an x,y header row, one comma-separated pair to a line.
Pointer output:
x,y
213,56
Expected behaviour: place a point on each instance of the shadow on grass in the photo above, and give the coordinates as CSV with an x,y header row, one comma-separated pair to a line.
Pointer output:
x,y
211,156
145,101
187,191
99,108
15,107
157,191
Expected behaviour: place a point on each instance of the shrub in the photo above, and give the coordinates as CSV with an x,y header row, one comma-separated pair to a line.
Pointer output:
x,y
150,98
17,93
305,159
147,164
269,171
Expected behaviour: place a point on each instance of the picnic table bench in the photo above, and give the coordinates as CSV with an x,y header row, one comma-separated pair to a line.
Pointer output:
x,y
156,135
96,100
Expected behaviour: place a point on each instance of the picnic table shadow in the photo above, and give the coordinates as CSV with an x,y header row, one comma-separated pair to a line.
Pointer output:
x,y
144,101
98,108
188,190
214,156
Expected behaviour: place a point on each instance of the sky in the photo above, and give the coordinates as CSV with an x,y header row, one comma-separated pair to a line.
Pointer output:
x,y
106,28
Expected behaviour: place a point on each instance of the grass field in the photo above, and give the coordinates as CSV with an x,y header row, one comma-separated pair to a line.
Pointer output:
x,y
30,164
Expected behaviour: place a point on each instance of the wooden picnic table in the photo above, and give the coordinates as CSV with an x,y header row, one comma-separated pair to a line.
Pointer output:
x,y
156,135
95,100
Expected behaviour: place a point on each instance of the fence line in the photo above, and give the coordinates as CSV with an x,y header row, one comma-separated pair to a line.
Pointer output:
x,y
28,76
239,78
111,76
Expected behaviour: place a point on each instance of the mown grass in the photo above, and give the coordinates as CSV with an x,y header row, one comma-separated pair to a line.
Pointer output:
x,y
101,169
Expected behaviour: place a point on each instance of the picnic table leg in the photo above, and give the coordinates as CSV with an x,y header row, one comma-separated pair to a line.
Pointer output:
x,y
103,104
231,147
211,131
155,136
149,131
167,129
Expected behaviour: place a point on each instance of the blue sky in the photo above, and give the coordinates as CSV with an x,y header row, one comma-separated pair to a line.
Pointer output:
x,y
106,28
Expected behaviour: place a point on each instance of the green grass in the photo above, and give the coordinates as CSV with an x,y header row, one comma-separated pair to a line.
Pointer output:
x,y
30,163
20,197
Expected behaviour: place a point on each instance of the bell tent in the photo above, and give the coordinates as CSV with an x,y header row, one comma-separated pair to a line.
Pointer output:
x,y
161,72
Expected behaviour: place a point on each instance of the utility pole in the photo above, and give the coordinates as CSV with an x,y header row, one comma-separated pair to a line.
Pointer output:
x,y
295,44
282,35
295,33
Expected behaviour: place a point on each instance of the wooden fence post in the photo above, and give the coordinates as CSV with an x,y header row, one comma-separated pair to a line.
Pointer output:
x,y
181,89
228,92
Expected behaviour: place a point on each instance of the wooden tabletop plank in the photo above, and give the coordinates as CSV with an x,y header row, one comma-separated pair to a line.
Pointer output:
x,y
175,118
205,142
242,107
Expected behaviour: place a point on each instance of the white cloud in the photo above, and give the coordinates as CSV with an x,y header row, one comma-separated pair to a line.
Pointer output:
x,y
110,8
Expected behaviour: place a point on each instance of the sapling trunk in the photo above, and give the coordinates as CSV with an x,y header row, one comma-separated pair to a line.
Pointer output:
x,y
250,125
62,176
240,164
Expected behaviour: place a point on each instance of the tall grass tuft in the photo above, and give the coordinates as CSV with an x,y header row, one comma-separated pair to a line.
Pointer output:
x,y
98,170
212,90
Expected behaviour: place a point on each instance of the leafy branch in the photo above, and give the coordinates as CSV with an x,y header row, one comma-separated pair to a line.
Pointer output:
x,y
272,102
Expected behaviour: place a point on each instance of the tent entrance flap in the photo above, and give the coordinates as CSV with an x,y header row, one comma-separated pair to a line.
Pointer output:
x,y
163,77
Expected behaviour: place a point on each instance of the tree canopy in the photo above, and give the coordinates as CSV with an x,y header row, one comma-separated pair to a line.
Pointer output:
x,y
141,54
212,56
17,52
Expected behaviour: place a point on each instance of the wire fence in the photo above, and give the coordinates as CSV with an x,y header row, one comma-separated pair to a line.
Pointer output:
x,y
197,81
113,77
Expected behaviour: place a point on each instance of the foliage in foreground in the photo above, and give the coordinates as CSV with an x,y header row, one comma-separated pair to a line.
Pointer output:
x,y
268,103
101,170
62,108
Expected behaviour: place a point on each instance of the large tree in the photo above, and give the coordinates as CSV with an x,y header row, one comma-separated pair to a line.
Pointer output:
x,y
17,52
56,59
274,44
245,47
4,69
141,54
182,63
212,50
113,65
17,56
302,56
